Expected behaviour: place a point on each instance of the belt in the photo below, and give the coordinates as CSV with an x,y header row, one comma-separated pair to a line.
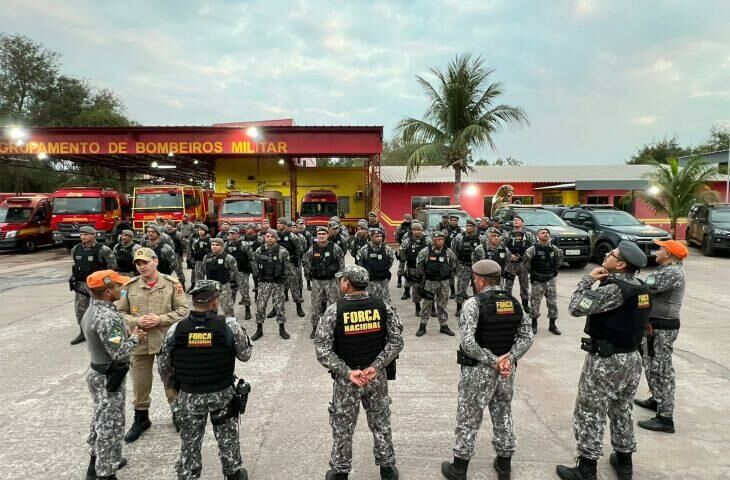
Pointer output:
x,y
604,348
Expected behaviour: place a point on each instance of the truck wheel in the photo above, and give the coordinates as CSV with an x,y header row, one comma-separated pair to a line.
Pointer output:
x,y
600,252
28,246
707,249
579,264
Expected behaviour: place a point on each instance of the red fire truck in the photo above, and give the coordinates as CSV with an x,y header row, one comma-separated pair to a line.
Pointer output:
x,y
172,202
318,206
246,207
25,222
105,209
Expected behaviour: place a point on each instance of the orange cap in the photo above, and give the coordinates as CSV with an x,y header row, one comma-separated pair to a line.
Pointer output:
x,y
674,247
105,278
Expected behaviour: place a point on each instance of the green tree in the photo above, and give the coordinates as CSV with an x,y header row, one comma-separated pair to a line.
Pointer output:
x,y
658,151
500,162
673,190
462,117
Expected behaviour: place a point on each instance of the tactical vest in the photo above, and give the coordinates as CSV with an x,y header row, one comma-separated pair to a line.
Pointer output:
x,y
287,242
87,262
163,265
500,316
517,247
498,254
377,263
237,251
544,265
624,326
271,266
437,265
451,234
200,247
252,241
324,262
404,231
338,240
203,354
665,307
468,244
177,243
360,332
414,246
124,258
357,243
223,235
216,269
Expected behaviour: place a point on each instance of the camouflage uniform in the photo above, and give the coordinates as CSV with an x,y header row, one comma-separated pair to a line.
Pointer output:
x,y
377,288
81,300
607,385
293,278
480,254
103,327
346,396
322,290
411,274
463,269
481,386
242,278
272,290
179,250
193,410
226,295
439,288
543,289
132,248
356,243
517,270
199,266
167,254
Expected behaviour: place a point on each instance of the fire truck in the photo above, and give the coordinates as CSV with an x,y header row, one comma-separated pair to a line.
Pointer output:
x,y
105,209
171,202
25,222
318,206
246,207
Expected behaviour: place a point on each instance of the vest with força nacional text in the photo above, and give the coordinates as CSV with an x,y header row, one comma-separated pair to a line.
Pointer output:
x,y
360,331
500,316
624,326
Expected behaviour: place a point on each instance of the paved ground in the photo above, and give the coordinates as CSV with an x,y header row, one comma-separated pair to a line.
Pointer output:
x,y
286,433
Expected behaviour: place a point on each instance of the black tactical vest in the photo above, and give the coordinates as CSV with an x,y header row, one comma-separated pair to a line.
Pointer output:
x,y
414,246
271,266
204,353
403,231
498,254
517,247
287,241
236,251
163,265
468,244
360,332
216,269
437,265
87,262
377,263
252,241
339,241
177,243
544,265
200,247
624,326
324,262
357,243
500,316
124,258
451,234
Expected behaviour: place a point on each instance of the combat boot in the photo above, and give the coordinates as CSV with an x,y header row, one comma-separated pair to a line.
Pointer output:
x,y
453,292
282,332
458,309
534,326
649,403
300,312
241,474
658,424
503,466
332,475
446,330
526,306
400,282
80,338
259,332
389,473
141,423
621,462
91,470
272,313
585,469
421,330
406,293
314,332
456,470
286,295
309,285
553,328
248,312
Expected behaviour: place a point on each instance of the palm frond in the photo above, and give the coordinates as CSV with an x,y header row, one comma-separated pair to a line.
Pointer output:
x,y
431,153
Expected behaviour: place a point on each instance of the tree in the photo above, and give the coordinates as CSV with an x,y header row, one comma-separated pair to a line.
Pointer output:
x,y
462,117
505,162
676,189
658,151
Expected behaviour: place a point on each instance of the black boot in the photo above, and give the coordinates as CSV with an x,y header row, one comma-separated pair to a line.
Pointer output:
x,y
309,285
80,338
621,462
282,332
553,328
446,330
458,309
286,295
400,282
418,309
314,332
534,326
248,312
585,469
649,403
503,466
332,475
91,469
456,470
453,292
300,312
389,473
141,423
241,474
272,313
658,424
259,332
240,302
526,306
406,293
421,330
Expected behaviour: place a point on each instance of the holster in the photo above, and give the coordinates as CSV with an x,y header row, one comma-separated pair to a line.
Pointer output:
x,y
426,294
463,359
114,372
237,405
602,348
72,283
650,346
390,370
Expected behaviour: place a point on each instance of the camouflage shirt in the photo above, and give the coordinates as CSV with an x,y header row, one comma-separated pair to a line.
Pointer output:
x,y
362,254
421,260
586,301
104,329
307,259
406,245
227,260
167,253
275,250
105,254
530,254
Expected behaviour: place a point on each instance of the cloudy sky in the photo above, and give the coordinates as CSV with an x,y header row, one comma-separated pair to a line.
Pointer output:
x,y
597,78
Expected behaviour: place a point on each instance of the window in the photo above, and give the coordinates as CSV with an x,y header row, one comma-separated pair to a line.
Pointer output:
x,y
421,202
597,200
522,199
77,205
110,204
343,206
583,218
625,203
552,199
243,208
570,216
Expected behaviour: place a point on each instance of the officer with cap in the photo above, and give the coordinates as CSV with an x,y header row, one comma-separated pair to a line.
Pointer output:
x,y
198,357
337,237
492,248
254,241
408,254
618,314
374,223
666,285
343,229
401,233
321,263
124,254
495,333
360,239
164,237
186,228
358,340
377,258
444,223
165,253
199,248
517,241
271,266
308,237
294,230
242,253
179,247
451,231
463,247
293,244
109,348
223,268
435,264
482,225
89,256
224,231
543,260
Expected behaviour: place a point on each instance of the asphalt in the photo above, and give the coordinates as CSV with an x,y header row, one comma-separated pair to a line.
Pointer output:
x,y
285,433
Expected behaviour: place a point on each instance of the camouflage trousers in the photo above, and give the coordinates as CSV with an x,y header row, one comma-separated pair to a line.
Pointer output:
x,y
440,290
481,387
607,386
327,291
226,300
199,270
546,289
659,371
380,289
413,284
520,273
463,280
293,283
179,269
192,414
275,291
107,424
242,279
344,410
81,301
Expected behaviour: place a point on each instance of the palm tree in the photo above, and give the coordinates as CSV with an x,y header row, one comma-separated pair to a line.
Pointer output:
x,y
462,116
673,190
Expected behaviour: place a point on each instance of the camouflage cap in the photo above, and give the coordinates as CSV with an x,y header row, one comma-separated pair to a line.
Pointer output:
x,y
87,229
444,215
205,291
437,234
362,223
453,216
217,241
416,226
491,230
272,232
357,275
129,233
281,220
375,231
202,226
145,254
471,221
234,230
322,228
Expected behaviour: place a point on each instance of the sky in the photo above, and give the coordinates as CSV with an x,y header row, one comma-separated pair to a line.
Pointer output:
x,y
597,79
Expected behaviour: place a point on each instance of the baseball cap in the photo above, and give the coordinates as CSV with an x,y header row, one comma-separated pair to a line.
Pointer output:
x,y
145,254
105,278
674,247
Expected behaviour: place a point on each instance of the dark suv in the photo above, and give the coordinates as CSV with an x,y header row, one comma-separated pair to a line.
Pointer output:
x,y
574,243
607,226
709,227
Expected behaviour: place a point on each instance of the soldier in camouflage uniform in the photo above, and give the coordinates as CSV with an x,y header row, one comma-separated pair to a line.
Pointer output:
x,y
223,268
666,285
225,230
463,247
186,228
199,248
177,240
109,348
164,237
337,237
270,267
293,244
408,255
360,239
321,263
377,258
618,314
492,340
198,357
124,254
243,254
358,340
543,260
89,256
451,231
517,241
165,253
435,265
401,233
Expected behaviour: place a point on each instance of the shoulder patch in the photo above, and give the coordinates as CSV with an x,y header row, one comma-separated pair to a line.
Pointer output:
x,y
651,280
586,303
115,335
170,278
132,280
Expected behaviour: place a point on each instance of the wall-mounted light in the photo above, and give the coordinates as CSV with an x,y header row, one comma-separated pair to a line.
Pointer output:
x,y
472,190
281,161
195,162
42,156
252,132
153,164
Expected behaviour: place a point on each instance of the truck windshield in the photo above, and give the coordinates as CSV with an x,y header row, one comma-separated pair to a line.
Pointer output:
x,y
312,209
540,218
15,214
616,219
158,200
720,215
435,218
77,205
242,208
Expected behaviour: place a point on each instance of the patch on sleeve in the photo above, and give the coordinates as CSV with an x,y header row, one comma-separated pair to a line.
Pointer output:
x,y
651,280
586,303
179,289
115,336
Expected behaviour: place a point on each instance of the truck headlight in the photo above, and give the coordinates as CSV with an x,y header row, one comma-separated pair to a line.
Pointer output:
x,y
718,231
630,238
11,234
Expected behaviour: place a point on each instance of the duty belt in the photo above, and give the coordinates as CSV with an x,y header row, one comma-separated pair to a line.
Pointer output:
x,y
603,348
